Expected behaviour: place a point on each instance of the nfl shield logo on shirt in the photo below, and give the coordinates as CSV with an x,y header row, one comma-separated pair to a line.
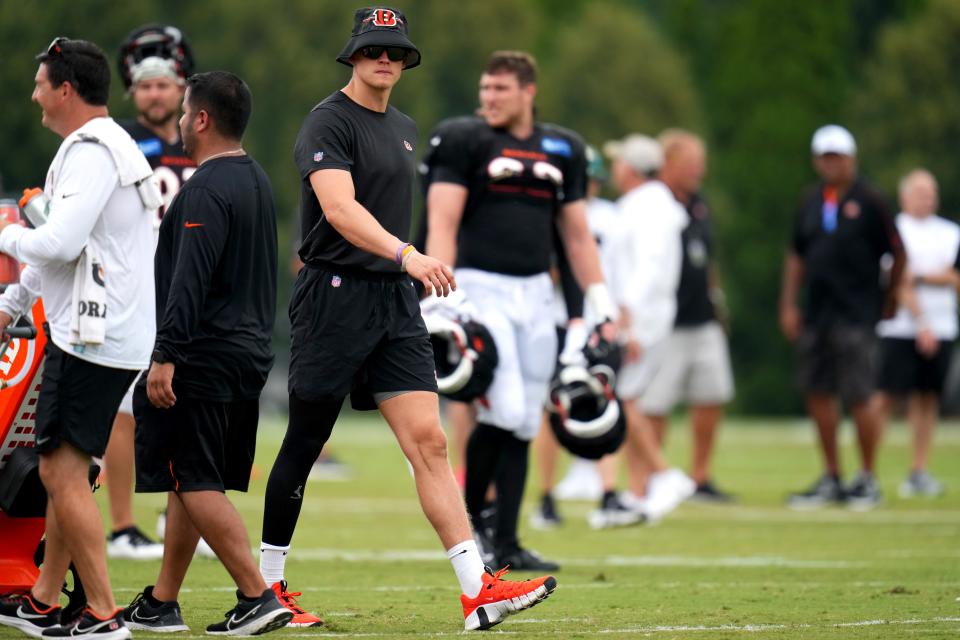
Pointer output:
x,y
318,156
335,281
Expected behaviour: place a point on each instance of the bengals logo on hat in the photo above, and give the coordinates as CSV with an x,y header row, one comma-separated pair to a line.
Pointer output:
x,y
384,18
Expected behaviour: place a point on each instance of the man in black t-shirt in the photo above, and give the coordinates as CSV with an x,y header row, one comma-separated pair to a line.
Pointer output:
x,y
842,229
355,320
696,364
154,62
197,409
499,184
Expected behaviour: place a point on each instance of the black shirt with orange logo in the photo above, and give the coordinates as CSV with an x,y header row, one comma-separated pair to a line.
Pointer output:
x,y
216,281
516,189
841,246
171,166
379,151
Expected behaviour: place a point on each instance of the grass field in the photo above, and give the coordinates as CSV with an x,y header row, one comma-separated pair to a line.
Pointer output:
x,y
367,562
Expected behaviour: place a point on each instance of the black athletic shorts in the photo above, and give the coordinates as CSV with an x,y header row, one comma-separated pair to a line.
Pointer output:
x,y
904,370
357,333
195,445
78,401
839,359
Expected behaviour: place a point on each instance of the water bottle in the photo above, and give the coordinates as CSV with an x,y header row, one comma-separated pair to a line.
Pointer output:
x,y
35,206
9,267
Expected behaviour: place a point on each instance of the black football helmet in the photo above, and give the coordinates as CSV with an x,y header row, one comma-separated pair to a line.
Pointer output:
x,y
154,41
585,415
464,354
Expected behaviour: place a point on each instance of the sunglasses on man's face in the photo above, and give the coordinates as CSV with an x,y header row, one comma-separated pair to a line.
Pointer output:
x,y
395,54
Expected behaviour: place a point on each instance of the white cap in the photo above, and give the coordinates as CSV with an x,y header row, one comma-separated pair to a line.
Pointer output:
x,y
154,67
833,138
641,153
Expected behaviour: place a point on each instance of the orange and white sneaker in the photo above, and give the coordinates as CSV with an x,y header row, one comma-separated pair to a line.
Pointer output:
x,y
500,598
289,600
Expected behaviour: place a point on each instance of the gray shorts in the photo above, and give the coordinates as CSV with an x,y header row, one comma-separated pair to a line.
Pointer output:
x,y
695,370
840,359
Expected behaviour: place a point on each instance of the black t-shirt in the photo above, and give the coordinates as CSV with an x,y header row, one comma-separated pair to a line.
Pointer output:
x,y
694,307
378,149
842,267
216,281
516,188
171,166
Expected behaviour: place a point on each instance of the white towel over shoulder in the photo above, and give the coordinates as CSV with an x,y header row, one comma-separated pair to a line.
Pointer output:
x,y
88,318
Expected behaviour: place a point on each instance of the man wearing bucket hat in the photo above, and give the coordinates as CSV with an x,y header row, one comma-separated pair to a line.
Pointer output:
x,y
355,319
843,227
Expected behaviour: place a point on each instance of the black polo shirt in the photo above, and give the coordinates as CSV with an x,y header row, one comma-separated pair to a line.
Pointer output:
x,y
379,151
694,306
842,267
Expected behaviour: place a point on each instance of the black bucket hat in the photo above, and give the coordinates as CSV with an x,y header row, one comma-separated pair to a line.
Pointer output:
x,y
379,26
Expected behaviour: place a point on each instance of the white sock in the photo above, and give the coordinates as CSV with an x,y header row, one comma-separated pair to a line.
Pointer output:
x,y
272,561
468,566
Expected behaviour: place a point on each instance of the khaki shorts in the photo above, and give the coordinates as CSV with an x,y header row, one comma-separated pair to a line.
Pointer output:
x,y
695,370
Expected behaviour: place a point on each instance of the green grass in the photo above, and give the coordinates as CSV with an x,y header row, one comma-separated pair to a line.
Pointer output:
x,y
367,561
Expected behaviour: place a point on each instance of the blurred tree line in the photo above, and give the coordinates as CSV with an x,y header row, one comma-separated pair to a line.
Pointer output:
x,y
754,77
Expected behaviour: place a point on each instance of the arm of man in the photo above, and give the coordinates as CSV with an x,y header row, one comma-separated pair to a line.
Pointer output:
x,y
581,249
445,204
197,253
19,298
927,342
791,321
334,189
87,181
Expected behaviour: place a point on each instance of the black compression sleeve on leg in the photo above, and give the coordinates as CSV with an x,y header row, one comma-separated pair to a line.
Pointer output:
x,y
483,454
308,430
511,478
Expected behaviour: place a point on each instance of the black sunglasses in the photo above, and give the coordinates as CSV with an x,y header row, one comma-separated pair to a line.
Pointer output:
x,y
395,54
55,48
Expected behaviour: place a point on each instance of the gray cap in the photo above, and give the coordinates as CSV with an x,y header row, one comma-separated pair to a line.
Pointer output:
x,y
641,153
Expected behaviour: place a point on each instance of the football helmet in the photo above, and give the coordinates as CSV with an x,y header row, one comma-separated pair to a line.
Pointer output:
x,y
585,415
464,354
154,47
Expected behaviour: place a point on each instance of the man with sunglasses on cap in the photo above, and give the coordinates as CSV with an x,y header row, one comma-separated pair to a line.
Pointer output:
x,y
91,263
501,183
154,62
355,319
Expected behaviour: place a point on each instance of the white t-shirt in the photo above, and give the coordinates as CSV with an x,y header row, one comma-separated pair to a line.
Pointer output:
x,y
87,201
647,256
931,244
602,221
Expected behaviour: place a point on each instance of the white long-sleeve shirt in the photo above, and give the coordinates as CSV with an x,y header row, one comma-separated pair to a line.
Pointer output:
x,y
87,201
648,258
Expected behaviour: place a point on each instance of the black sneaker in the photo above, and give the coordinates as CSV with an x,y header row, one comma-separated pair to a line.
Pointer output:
x,y
826,490
546,516
89,624
253,617
525,560
863,494
133,544
24,613
708,492
142,616
613,513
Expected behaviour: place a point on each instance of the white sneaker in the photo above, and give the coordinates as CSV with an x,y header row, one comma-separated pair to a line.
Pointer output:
x,y
133,544
920,483
203,549
582,482
665,491
612,512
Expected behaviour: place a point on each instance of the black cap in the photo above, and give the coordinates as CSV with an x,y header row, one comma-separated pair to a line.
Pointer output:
x,y
378,26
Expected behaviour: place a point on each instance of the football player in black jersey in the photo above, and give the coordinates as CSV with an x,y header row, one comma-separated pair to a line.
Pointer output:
x,y
356,327
499,183
154,62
